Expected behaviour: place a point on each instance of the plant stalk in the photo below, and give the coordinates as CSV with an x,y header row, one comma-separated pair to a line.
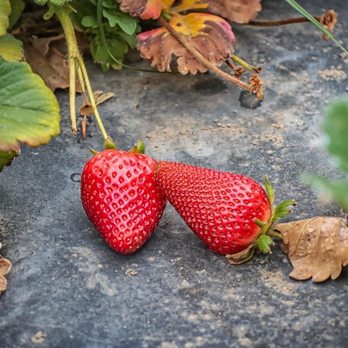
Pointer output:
x,y
73,52
76,63
246,65
279,22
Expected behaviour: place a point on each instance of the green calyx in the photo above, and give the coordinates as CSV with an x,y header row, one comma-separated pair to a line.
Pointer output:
x,y
265,241
109,144
139,147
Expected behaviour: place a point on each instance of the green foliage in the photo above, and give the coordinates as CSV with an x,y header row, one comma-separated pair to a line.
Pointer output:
x,y
111,35
11,49
6,158
335,128
51,2
29,112
17,7
5,11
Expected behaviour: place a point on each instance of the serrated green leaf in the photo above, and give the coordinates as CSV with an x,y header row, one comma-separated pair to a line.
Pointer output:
x,y
317,24
264,243
17,7
89,21
29,111
6,158
127,23
336,128
336,191
111,4
5,11
11,49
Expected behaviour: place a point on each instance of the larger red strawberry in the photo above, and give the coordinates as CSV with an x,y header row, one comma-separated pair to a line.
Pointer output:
x,y
227,211
121,198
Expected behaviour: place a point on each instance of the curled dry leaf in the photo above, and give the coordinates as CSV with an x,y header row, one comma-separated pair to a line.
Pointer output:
x,y
210,35
328,20
100,97
239,11
47,57
317,247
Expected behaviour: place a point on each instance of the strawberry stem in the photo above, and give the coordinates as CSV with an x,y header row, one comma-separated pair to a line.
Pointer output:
x,y
246,65
76,63
279,22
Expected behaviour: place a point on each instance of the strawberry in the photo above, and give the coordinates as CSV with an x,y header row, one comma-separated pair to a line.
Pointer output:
x,y
121,198
227,211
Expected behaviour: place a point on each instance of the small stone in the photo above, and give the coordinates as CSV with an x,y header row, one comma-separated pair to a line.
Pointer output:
x,y
249,100
39,337
131,272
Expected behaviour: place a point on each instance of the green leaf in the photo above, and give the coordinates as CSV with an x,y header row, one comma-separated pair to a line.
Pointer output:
x,y
317,24
17,7
264,243
6,158
336,191
11,49
336,129
5,11
127,23
89,22
29,111
52,2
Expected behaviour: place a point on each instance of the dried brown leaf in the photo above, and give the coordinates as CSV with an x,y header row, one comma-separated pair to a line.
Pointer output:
x,y
52,67
317,247
47,55
239,11
210,35
100,97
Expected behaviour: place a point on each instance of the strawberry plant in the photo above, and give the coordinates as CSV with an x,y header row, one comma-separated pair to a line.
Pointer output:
x,y
124,193
196,34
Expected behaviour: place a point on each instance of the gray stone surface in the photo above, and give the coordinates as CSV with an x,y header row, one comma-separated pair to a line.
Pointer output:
x,y
174,292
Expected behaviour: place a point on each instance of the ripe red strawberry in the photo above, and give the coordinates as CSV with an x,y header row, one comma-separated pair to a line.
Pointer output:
x,y
220,207
121,198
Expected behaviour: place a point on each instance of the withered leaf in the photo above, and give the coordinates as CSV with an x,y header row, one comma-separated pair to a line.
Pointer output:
x,y
239,11
100,97
317,247
48,58
145,9
210,35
